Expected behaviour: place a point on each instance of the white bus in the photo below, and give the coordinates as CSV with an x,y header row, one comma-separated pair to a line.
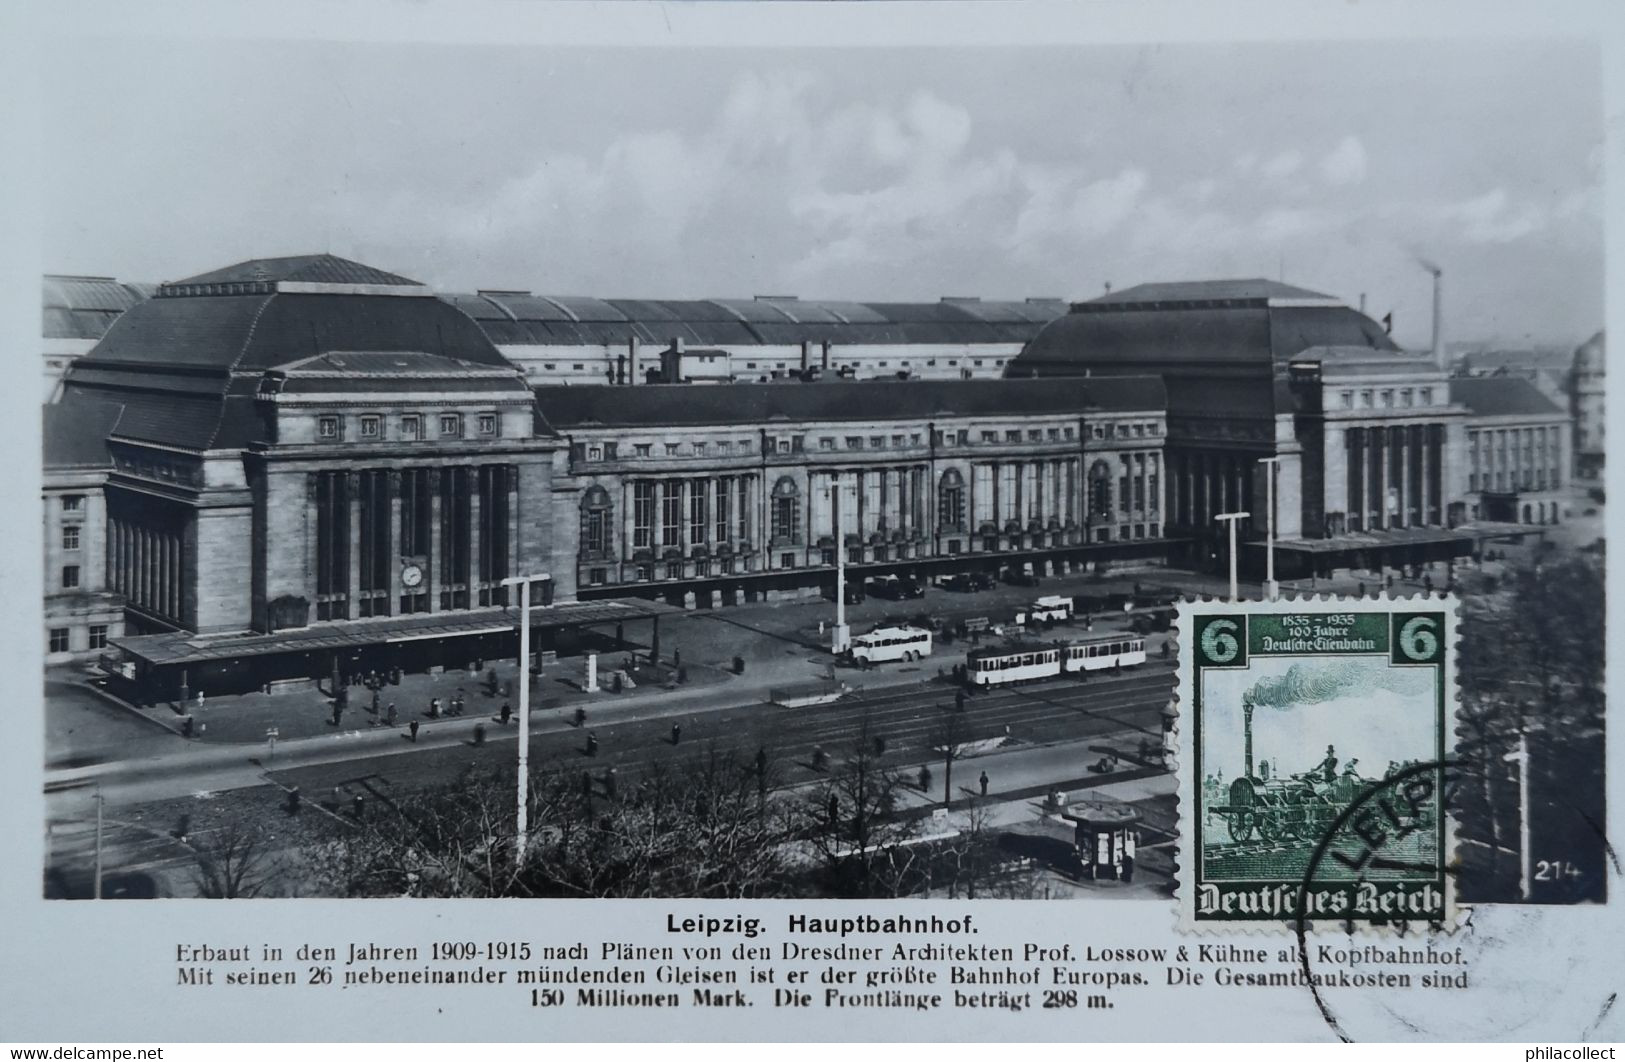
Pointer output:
x,y
1101,651
891,643
1050,609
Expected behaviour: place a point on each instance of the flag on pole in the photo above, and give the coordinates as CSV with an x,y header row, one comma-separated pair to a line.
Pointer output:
x,y
1388,323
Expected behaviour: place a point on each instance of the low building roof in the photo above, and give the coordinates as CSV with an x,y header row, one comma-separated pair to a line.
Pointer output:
x,y
75,433
564,408
1500,396
300,268
77,307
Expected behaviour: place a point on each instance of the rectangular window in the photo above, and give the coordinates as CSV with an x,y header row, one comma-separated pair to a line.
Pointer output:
x,y
643,514
897,440
451,425
787,560
412,426
327,427
1034,435
914,439
671,514
724,496
70,576
854,442
72,503
595,453
671,449
1348,399
876,442
699,448
597,576
1054,434
98,636
699,516
70,538
1066,433
826,443
372,427
59,640
964,437
784,445
726,446
640,449
1365,399
990,436
1387,398
1405,396
488,423
1425,396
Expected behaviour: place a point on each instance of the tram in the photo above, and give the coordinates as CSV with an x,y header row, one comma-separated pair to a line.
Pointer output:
x,y
1009,665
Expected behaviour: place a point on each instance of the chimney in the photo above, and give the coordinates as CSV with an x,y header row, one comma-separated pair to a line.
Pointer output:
x,y
1362,304
1438,318
1247,731
632,360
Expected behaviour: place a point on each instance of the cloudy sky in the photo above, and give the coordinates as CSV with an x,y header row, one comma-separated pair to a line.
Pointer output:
x,y
859,173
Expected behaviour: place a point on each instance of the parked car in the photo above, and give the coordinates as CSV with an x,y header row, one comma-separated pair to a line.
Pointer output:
x,y
967,582
1017,577
895,588
854,593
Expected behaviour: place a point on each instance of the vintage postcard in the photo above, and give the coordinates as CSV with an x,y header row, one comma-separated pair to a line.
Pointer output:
x,y
1274,830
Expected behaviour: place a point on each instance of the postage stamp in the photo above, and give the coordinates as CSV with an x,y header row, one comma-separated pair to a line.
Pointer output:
x,y
1314,740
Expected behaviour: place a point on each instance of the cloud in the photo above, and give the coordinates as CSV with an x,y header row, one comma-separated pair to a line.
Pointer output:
x,y
1283,165
1345,164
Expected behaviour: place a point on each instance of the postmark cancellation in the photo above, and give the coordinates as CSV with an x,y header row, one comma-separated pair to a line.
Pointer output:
x,y
1314,737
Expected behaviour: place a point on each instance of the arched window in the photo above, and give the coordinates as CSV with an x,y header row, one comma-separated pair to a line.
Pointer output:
x,y
951,501
597,522
786,509
1100,490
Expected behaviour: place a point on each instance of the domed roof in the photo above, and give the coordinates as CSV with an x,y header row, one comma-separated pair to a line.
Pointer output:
x,y
187,362
1234,335
1590,357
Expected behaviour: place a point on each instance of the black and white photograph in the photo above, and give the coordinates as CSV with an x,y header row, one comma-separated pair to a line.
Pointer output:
x,y
486,470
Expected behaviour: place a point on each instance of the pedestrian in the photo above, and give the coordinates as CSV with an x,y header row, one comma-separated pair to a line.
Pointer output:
x,y
200,700
338,712
413,727
984,783
761,761
676,733
358,804
592,744
1127,871
925,779
375,700
819,757
834,809
581,717
676,658
959,700
434,707
390,713
507,713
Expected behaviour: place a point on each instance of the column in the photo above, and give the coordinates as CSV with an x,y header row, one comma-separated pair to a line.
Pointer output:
x,y
1354,458
513,526
309,581
431,579
474,525
352,500
392,605
1425,487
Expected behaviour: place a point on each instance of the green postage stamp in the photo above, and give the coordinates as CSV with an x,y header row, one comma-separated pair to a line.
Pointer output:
x,y
1314,741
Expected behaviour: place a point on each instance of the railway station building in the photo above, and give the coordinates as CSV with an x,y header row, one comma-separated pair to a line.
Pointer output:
x,y
289,465
1368,443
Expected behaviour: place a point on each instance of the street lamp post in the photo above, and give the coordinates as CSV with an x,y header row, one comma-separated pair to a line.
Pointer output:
x,y
1521,758
521,823
841,636
1272,589
1231,519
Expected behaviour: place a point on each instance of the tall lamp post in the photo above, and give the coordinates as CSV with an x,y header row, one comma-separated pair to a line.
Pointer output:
x,y
521,822
841,636
1231,519
1272,589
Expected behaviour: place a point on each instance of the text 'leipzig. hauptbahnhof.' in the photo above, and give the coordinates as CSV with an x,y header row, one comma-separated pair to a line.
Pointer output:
x,y
255,467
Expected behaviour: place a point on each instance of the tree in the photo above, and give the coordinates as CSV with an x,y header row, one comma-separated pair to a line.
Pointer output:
x,y
233,863
864,850
948,739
